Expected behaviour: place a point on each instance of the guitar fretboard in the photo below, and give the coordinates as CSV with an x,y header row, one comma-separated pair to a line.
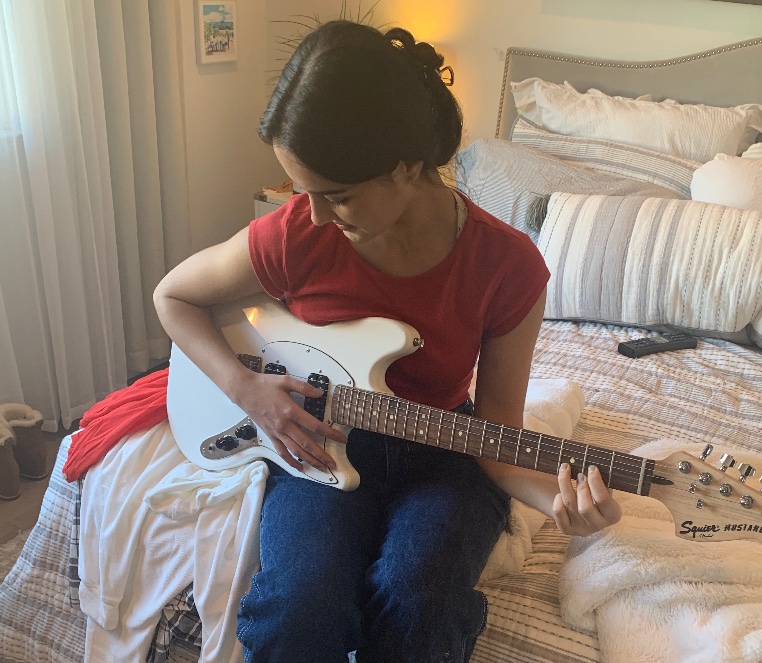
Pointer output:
x,y
382,413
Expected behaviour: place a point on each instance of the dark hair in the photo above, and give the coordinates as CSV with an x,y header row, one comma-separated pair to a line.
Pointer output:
x,y
351,103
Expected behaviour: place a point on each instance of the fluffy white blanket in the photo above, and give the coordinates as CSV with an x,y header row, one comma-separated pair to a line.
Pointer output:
x,y
654,597
552,407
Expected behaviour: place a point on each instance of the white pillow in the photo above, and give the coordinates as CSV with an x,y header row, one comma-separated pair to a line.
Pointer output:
x,y
690,131
655,263
754,152
731,181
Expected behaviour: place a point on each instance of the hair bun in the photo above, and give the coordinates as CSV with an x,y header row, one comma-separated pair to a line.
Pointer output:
x,y
422,51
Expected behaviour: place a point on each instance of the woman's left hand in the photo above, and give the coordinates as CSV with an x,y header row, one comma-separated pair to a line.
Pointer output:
x,y
586,509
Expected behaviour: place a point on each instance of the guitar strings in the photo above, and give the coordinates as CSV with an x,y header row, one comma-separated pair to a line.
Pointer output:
x,y
681,495
622,464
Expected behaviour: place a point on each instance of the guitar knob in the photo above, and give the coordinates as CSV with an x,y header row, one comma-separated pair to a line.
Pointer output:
x,y
246,432
226,443
746,471
707,450
726,461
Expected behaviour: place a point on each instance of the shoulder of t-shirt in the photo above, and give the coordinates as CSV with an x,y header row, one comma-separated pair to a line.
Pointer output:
x,y
497,232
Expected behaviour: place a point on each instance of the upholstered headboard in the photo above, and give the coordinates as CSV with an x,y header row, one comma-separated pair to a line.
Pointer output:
x,y
725,76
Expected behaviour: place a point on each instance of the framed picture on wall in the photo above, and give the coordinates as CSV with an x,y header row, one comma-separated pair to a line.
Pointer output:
x,y
217,32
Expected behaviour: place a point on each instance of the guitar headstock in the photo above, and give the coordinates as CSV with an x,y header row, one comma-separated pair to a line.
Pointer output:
x,y
708,502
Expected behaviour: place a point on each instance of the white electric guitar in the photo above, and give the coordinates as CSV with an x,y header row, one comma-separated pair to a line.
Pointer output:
x,y
348,361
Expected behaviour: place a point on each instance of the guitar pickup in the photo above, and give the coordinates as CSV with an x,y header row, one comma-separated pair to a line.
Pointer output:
x,y
316,406
275,369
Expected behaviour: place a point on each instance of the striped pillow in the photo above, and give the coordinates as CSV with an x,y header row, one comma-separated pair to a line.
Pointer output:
x,y
654,262
513,182
637,163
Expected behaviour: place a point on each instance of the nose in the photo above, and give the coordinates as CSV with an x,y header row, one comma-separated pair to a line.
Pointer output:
x,y
321,210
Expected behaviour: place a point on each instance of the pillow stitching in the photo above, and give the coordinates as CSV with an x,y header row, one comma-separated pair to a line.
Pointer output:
x,y
648,258
705,283
757,298
745,270
624,254
690,263
560,268
733,241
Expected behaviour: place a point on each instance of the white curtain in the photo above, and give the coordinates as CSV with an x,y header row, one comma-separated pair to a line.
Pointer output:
x,y
93,195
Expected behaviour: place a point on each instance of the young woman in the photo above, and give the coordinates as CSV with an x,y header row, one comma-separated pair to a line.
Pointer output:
x,y
362,121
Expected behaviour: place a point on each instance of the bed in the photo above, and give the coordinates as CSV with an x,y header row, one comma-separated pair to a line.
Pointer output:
x,y
706,396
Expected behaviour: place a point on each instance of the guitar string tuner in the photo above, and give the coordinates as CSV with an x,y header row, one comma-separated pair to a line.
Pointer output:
x,y
726,461
705,453
746,471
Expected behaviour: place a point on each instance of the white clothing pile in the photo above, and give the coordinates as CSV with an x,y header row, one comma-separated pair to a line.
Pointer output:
x,y
152,523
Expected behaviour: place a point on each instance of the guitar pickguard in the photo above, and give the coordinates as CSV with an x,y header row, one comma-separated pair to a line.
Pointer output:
x,y
216,434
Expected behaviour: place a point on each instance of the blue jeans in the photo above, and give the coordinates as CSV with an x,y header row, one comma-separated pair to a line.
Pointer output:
x,y
388,569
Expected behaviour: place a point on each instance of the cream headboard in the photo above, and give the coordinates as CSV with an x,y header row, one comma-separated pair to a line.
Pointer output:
x,y
725,76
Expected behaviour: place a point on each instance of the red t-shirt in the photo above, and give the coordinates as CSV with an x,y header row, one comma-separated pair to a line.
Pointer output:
x,y
483,288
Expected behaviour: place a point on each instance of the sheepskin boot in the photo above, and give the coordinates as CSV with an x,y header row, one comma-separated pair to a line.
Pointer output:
x,y
10,486
30,451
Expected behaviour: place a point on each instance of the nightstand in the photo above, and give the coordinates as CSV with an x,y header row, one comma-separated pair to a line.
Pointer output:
x,y
262,207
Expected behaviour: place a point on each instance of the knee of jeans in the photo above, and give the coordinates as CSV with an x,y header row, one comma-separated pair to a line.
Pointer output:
x,y
308,608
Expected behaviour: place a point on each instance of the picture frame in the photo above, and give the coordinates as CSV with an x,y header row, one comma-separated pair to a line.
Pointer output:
x,y
216,32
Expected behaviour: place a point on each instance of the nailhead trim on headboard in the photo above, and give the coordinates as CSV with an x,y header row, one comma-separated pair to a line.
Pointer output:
x,y
610,63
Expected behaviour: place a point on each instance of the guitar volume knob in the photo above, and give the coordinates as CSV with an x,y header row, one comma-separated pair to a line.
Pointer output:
x,y
226,443
246,432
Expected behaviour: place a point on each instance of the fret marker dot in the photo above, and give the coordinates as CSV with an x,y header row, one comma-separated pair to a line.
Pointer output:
x,y
492,441
391,416
420,432
460,433
374,413
529,450
572,461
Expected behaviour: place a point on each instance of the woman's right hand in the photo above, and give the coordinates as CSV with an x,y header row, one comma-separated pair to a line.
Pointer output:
x,y
267,400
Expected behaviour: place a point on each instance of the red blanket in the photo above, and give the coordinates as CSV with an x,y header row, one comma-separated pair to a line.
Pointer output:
x,y
140,406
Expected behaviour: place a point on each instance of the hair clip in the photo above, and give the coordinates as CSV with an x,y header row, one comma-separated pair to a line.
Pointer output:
x,y
447,75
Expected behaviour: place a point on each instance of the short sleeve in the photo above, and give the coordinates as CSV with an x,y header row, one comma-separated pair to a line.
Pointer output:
x,y
267,244
522,281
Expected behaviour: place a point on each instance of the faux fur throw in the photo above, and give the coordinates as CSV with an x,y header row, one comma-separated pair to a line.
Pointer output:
x,y
651,596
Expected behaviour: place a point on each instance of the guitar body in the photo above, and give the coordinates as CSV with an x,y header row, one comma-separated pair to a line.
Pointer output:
x,y
204,421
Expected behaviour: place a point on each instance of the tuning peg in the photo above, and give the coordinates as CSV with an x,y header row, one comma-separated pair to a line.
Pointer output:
x,y
746,470
726,461
707,450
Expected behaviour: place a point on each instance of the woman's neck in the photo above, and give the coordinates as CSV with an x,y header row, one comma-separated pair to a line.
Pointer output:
x,y
423,236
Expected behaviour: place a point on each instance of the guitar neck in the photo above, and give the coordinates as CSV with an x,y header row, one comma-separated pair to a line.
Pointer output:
x,y
383,413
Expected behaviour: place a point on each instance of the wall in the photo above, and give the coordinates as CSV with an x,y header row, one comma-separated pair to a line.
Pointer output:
x,y
476,33
228,163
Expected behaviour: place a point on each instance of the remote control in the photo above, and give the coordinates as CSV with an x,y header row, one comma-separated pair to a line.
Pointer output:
x,y
640,347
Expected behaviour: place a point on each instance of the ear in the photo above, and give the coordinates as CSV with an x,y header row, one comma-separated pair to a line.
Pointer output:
x,y
407,172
